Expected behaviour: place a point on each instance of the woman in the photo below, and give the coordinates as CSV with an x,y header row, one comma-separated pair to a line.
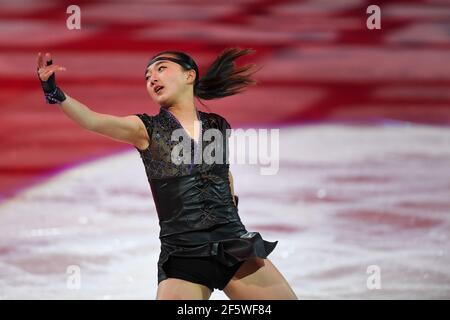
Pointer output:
x,y
204,245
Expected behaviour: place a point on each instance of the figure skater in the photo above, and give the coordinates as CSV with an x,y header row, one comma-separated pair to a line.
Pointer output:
x,y
204,244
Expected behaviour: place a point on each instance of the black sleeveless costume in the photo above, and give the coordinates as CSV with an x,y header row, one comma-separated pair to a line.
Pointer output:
x,y
196,212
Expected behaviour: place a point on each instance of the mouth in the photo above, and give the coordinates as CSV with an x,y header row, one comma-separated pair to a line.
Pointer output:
x,y
158,89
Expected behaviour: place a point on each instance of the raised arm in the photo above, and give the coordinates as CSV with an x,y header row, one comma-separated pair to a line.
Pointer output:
x,y
129,129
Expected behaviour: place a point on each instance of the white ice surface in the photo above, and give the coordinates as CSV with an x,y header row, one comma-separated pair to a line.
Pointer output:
x,y
345,198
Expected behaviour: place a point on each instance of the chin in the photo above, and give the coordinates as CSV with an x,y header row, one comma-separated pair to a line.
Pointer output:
x,y
162,102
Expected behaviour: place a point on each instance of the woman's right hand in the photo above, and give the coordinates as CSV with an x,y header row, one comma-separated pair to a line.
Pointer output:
x,y
47,68
46,74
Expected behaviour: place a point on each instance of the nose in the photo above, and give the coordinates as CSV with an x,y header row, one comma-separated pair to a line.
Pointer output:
x,y
152,80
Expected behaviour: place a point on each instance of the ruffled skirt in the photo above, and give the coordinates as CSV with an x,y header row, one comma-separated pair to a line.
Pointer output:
x,y
228,243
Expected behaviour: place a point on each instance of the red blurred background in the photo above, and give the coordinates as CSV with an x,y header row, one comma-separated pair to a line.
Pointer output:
x,y
320,63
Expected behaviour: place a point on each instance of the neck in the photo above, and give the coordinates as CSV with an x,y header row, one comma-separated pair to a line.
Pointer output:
x,y
184,110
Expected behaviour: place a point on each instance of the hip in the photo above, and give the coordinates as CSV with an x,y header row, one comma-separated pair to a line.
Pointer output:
x,y
214,233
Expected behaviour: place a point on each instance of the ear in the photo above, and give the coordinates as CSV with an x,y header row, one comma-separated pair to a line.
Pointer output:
x,y
190,76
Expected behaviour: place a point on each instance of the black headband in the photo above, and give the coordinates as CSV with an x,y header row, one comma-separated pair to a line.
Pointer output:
x,y
180,62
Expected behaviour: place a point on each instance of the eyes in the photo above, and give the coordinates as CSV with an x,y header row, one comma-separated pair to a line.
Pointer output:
x,y
159,68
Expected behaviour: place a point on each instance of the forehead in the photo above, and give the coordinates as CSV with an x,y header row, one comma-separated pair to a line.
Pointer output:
x,y
155,64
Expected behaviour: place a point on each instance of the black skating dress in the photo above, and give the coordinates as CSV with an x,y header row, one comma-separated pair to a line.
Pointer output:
x,y
195,207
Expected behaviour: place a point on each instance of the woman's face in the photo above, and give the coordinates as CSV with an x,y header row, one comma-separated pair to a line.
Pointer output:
x,y
171,77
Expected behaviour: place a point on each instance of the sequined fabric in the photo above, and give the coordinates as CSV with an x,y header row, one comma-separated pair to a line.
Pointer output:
x,y
196,212
157,157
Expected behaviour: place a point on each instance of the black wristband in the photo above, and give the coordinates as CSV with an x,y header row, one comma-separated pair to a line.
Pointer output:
x,y
53,94
54,97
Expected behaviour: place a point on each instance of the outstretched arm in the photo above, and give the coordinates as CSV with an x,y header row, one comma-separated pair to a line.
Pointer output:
x,y
128,129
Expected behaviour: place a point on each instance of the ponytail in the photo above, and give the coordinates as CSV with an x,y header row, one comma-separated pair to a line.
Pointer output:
x,y
223,79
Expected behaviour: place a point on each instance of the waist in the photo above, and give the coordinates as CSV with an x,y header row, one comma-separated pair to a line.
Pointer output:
x,y
193,202
219,232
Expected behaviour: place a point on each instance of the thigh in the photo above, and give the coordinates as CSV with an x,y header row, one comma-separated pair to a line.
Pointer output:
x,y
188,278
259,279
179,289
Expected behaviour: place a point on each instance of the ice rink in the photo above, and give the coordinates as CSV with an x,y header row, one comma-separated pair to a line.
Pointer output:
x,y
346,197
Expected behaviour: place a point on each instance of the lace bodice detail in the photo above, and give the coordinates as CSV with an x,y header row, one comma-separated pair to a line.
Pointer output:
x,y
157,158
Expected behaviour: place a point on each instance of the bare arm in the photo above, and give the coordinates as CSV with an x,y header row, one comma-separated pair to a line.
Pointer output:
x,y
231,186
78,112
128,129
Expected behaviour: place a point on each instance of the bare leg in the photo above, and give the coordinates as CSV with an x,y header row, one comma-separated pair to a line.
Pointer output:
x,y
259,279
178,289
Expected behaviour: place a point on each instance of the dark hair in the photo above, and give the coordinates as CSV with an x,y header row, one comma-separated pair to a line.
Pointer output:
x,y
222,78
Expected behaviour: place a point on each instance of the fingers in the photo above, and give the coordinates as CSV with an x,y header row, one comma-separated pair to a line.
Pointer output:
x,y
46,75
45,66
46,72
52,69
40,61
55,67
48,59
